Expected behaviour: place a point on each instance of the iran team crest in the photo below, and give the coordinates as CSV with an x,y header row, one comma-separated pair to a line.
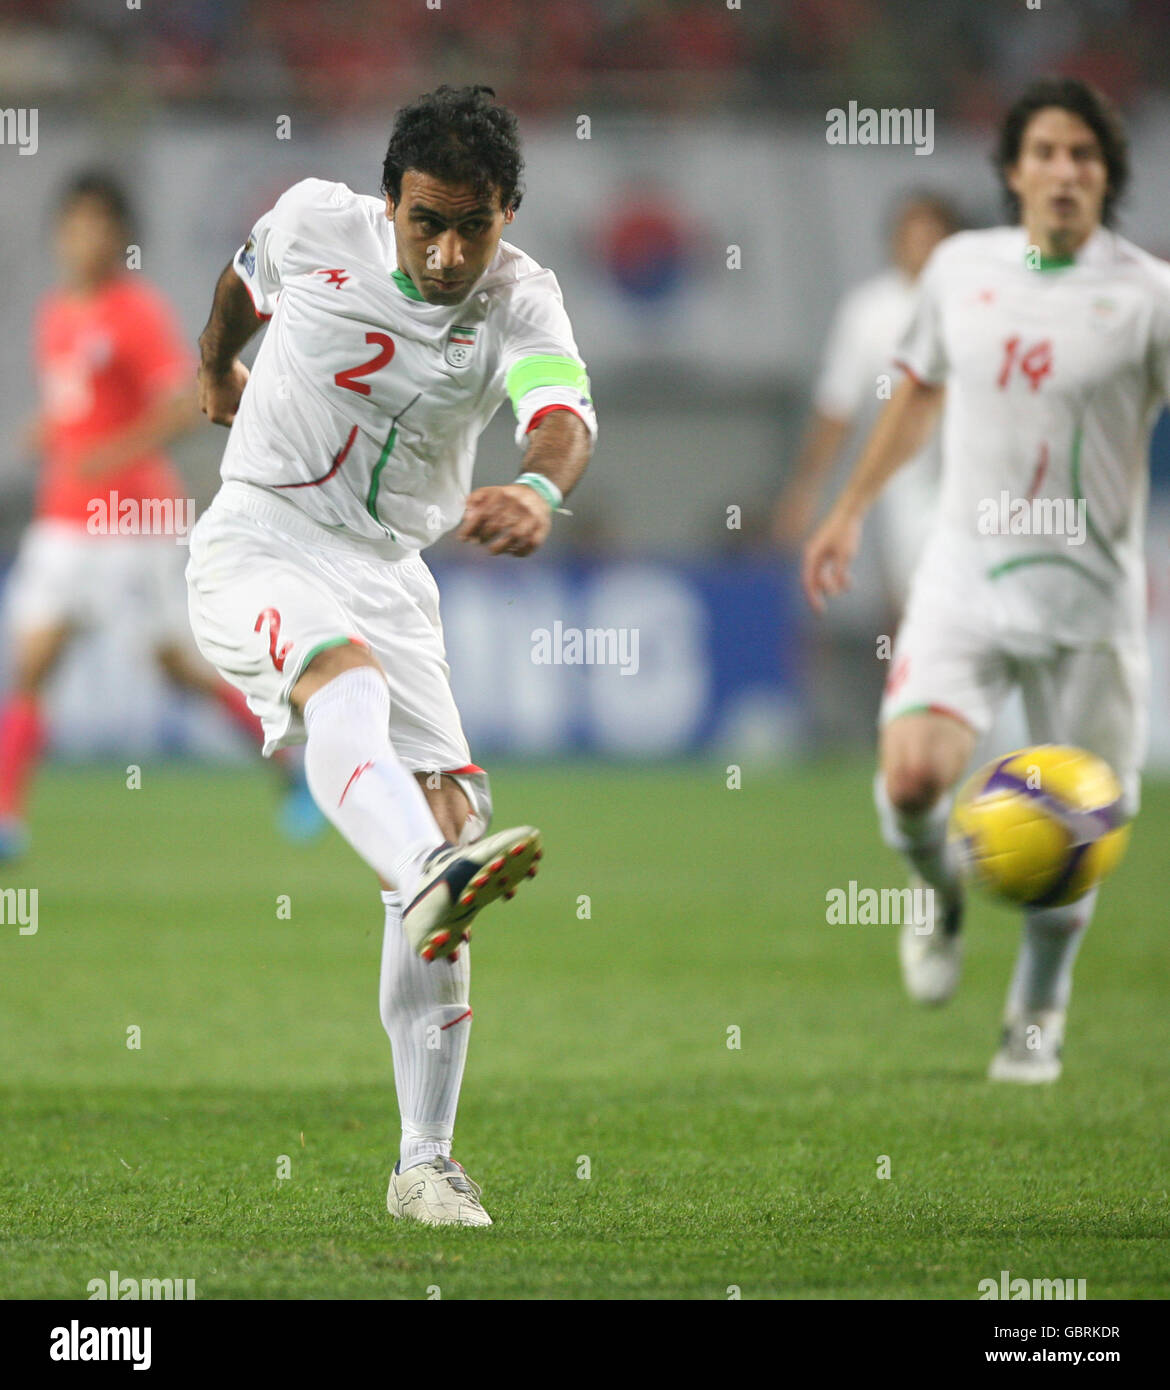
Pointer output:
x,y
460,346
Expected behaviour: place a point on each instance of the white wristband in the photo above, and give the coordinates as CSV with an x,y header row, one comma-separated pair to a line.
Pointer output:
x,y
544,486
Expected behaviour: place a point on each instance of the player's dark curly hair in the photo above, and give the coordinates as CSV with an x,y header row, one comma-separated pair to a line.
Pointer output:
x,y
102,185
459,135
1093,108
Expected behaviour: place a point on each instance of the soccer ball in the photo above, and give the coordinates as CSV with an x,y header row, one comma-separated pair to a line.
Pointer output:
x,y
1041,826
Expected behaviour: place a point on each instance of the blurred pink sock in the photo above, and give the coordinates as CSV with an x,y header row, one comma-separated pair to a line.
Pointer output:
x,y
22,737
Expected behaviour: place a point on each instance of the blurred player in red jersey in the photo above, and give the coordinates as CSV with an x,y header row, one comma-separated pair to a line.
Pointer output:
x,y
116,385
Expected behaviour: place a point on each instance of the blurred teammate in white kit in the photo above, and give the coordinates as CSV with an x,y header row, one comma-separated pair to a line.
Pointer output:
x,y
867,326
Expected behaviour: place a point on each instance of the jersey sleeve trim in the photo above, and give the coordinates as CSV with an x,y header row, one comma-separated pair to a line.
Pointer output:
x,y
539,415
247,284
916,377
541,398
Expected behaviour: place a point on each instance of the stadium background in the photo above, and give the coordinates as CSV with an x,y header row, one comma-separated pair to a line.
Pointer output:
x,y
705,134
607,1036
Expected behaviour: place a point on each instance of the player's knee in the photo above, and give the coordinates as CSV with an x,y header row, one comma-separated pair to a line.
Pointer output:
x,y
327,665
334,660
914,786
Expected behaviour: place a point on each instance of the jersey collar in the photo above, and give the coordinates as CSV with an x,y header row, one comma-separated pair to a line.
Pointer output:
x,y
410,289
1093,251
406,285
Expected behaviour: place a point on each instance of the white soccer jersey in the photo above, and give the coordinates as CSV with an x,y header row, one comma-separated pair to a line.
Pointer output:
x,y
867,327
870,321
365,403
1054,374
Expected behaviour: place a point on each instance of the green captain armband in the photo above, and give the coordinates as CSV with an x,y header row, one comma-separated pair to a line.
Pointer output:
x,y
530,373
545,487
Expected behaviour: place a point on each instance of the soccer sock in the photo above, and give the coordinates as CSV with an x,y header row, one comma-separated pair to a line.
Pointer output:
x,y
921,836
1042,981
22,737
426,1015
358,782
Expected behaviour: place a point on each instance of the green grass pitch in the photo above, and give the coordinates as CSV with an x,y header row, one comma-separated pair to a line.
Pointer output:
x,y
598,1042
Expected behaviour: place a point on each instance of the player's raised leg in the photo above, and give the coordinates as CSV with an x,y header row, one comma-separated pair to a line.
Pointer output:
x,y
359,782
922,756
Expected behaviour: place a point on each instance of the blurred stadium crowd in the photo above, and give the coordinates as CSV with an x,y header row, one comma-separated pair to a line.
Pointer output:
x,y
787,56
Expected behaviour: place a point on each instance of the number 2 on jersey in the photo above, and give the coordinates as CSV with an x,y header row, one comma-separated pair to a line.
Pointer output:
x,y
271,616
1035,363
384,354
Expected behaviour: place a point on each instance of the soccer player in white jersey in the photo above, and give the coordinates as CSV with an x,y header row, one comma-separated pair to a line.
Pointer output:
x,y
399,325
867,326
1051,342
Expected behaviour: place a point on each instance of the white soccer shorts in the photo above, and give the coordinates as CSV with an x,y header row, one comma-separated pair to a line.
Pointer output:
x,y
65,575
268,589
947,661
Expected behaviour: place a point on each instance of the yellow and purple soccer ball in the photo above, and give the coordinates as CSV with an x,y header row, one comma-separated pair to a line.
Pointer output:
x,y
1040,827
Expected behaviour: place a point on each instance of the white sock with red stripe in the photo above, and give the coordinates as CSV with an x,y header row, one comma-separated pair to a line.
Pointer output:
x,y
428,1020
1043,975
358,782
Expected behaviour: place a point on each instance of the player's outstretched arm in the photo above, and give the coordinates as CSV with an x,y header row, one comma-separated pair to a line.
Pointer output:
x,y
516,518
898,434
796,508
222,376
